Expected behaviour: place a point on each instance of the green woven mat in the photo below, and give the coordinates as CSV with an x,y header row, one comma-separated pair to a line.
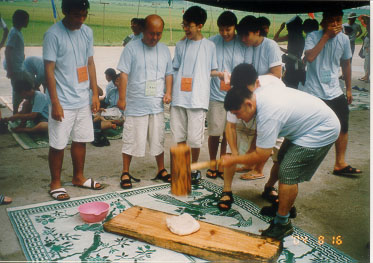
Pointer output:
x,y
54,231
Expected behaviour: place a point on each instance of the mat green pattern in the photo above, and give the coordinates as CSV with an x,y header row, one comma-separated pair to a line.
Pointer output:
x,y
54,231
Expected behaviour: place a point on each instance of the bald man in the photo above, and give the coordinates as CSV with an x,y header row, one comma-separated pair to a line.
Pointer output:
x,y
145,84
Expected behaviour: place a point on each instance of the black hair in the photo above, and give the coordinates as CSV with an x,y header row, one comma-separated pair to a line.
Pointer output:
x,y
243,75
141,22
135,20
235,97
196,15
68,5
20,18
24,82
248,24
332,13
227,18
263,22
111,72
310,25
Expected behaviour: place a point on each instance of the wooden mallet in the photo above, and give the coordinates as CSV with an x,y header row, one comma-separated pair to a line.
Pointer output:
x,y
181,169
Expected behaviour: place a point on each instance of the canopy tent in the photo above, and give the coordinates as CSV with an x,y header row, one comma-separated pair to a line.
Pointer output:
x,y
282,7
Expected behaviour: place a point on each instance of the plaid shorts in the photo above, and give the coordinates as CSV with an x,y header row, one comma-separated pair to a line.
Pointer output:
x,y
299,164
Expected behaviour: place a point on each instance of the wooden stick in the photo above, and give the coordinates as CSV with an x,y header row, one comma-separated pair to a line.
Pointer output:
x,y
202,165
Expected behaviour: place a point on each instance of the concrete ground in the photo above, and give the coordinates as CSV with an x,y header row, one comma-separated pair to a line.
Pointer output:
x,y
328,206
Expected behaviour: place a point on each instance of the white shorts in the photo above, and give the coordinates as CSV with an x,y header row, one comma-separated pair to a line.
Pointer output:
x,y
77,123
138,130
188,125
216,118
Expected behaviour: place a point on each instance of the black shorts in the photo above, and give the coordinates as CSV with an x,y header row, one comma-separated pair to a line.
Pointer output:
x,y
340,107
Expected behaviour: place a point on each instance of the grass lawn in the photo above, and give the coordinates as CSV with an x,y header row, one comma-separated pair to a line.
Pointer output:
x,y
111,26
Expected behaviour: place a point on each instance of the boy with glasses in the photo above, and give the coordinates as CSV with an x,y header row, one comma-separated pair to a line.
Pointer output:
x,y
193,63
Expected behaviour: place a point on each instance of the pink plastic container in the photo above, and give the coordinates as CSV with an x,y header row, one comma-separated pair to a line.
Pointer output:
x,y
94,211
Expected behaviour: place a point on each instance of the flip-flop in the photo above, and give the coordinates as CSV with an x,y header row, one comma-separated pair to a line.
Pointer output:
x,y
348,170
2,200
250,176
58,192
91,184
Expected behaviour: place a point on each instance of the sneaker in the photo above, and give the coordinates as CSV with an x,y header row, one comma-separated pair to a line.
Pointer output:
x,y
278,231
271,211
196,176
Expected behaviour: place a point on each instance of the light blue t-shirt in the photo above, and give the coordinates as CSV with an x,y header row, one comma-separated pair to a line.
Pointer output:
x,y
264,56
16,42
70,50
194,59
35,66
299,117
322,76
145,64
40,104
112,95
228,54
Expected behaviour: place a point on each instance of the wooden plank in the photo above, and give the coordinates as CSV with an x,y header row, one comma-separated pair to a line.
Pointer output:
x,y
211,242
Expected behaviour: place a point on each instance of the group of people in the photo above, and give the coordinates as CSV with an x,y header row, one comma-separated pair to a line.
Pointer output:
x,y
233,79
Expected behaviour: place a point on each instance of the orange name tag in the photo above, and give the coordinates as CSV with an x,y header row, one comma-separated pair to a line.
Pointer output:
x,y
82,74
223,86
186,84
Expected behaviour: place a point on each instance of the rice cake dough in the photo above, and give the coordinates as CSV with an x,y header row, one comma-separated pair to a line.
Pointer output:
x,y
182,225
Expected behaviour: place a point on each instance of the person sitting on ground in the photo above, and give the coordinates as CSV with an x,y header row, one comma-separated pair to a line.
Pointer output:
x,y
308,125
35,66
34,109
5,200
110,75
137,27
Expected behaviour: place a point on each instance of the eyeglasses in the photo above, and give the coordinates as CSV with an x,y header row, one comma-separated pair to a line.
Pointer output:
x,y
186,26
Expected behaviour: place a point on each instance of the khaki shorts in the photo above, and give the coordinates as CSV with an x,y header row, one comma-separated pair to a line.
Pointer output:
x,y
216,118
138,130
245,136
77,123
188,125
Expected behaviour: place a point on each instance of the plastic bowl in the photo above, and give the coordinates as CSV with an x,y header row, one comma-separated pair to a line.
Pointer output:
x,y
94,211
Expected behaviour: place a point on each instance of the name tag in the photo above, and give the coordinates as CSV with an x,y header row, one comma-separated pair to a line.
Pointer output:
x,y
223,86
186,84
82,74
151,88
325,76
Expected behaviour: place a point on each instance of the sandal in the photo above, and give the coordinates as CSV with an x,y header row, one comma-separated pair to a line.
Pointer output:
x,y
212,174
228,203
267,194
165,178
57,193
4,200
251,176
126,183
348,170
